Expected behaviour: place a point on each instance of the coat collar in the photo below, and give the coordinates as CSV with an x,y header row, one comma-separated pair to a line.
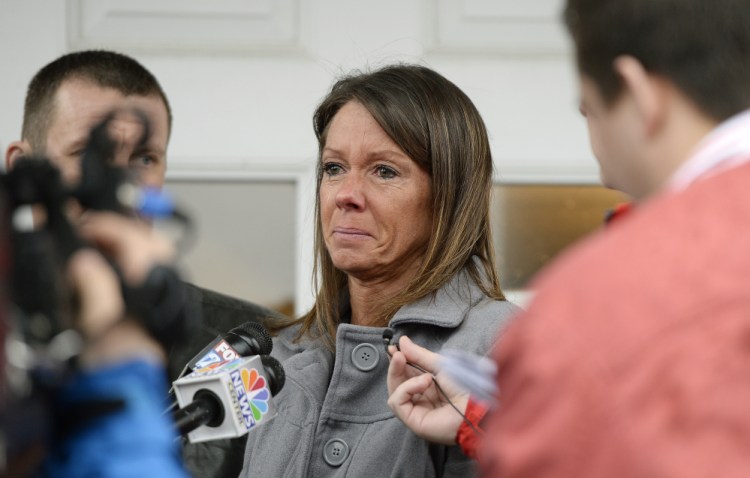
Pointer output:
x,y
446,307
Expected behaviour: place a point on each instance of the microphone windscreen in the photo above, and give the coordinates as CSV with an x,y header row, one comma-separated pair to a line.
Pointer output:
x,y
275,373
387,336
255,332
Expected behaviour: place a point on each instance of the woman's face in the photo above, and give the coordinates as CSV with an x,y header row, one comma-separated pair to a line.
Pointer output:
x,y
375,201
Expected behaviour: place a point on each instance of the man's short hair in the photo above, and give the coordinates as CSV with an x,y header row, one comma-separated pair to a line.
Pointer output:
x,y
702,46
102,68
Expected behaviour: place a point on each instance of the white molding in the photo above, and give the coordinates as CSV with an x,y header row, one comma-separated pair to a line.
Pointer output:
x,y
551,179
181,169
498,27
187,26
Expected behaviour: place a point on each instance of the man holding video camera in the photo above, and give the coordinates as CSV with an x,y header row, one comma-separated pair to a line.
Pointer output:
x,y
68,97
91,307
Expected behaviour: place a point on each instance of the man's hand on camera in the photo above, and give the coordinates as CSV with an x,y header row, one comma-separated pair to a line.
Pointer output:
x,y
135,249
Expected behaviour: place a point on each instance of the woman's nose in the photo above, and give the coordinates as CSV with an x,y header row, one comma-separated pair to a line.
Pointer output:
x,y
350,193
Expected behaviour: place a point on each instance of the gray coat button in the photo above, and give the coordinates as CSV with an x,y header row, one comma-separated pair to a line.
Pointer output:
x,y
365,357
335,452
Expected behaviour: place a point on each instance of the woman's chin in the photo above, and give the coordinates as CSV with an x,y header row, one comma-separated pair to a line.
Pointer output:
x,y
353,266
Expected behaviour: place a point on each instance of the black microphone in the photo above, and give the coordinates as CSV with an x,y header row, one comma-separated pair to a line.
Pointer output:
x,y
250,338
387,339
228,401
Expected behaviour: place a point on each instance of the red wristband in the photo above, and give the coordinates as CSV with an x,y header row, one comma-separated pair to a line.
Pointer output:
x,y
468,438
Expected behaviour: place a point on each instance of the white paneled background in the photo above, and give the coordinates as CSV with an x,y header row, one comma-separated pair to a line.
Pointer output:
x,y
244,77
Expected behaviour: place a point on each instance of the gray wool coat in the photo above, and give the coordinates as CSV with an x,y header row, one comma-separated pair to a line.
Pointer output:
x,y
333,418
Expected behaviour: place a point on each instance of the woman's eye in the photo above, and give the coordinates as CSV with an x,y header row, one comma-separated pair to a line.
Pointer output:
x,y
385,172
332,169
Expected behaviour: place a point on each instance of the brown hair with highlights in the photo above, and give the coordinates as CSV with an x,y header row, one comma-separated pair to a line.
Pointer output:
x,y
438,127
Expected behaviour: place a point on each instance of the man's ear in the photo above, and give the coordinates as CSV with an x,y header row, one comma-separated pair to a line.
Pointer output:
x,y
15,150
647,90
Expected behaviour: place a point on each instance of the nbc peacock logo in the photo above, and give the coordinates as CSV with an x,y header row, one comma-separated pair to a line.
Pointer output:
x,y
252,395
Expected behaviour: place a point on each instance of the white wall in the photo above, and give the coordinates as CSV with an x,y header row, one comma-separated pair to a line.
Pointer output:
x,y
244,77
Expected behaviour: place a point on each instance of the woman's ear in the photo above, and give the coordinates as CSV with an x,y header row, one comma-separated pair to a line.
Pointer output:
x,y
15,150
647,91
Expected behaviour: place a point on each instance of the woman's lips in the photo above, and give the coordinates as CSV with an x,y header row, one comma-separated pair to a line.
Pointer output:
x,y
350,233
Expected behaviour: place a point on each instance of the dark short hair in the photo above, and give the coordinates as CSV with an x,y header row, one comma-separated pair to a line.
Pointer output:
x,y
102,68
702,46
440,128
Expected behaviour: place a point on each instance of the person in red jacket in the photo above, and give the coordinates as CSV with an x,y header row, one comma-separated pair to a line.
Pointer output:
x,y
632,359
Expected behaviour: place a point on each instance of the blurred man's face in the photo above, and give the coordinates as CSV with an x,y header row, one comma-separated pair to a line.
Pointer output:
x,y
80,105
616,138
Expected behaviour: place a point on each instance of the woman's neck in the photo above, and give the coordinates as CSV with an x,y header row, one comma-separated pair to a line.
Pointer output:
x,y
367,296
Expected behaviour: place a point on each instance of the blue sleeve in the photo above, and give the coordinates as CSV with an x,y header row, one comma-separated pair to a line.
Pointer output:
x,y
138,440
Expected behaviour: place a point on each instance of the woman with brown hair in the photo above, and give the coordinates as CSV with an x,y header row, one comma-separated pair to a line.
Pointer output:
x,y
403,244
